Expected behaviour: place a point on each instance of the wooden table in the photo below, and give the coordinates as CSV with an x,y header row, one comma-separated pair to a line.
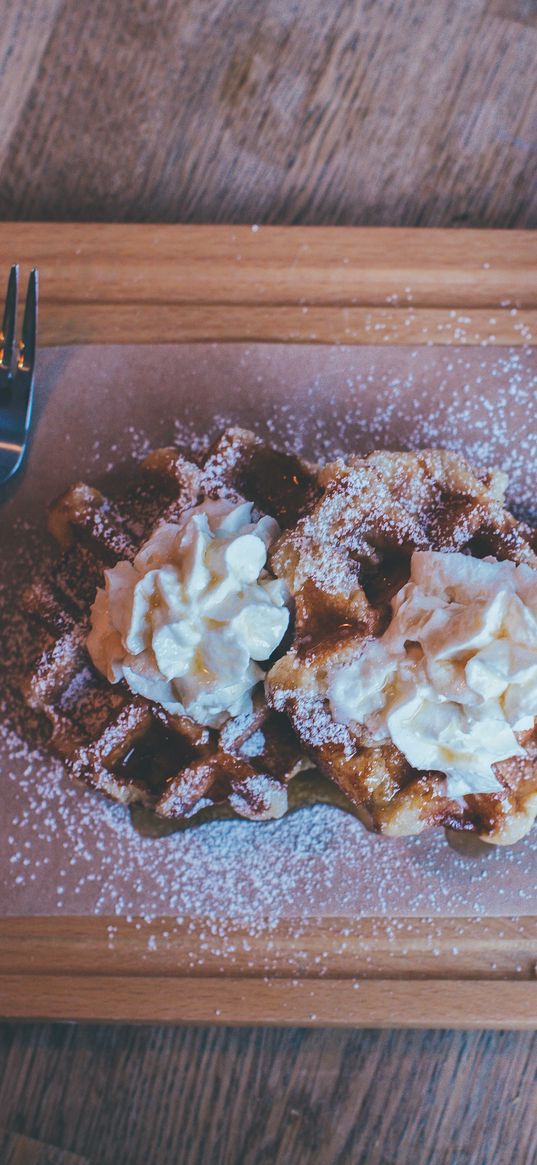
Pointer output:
x,y
352,112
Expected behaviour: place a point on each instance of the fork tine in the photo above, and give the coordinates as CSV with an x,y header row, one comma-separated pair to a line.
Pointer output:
x,y
29,326
10,318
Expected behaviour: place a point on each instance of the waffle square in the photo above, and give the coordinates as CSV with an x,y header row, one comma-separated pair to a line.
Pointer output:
x,y
343,562
127,747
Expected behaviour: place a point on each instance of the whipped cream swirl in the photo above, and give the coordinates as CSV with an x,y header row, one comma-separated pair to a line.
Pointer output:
x,y
188,622
454,677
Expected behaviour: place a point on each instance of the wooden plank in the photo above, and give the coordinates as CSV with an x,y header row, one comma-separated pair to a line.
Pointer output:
x,y
24,38
450,948
414,972
110,263
107,283
348,112
137,1094
334,1002
171,323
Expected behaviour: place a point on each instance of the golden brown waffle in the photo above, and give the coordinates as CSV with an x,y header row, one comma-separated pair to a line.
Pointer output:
x,y
343,563
127,747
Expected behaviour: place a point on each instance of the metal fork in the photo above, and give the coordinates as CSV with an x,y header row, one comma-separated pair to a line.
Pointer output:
x,y
17,364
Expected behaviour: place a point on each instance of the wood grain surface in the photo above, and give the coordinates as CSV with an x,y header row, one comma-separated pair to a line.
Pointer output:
x,y
356,111
110,283
190,1096
450,973
377,1003
471,949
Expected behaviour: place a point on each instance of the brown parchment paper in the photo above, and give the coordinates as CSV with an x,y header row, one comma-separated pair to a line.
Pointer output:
x,y
63,850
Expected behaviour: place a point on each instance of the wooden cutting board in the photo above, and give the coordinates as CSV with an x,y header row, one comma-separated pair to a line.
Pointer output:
x,y
125,284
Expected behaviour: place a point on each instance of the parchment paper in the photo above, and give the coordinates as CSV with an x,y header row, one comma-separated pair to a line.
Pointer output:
x,y
62,850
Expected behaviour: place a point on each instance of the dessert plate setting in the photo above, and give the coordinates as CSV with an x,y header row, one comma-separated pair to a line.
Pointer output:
x,y
410,596
269,656
337,545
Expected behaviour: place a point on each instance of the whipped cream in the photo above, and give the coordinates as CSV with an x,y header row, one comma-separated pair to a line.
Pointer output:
x,y
454,677
187,622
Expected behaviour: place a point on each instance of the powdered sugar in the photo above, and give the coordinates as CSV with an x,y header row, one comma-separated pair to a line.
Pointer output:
x,y
68,850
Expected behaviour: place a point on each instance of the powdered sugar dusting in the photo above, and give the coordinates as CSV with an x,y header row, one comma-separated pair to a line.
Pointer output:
x,y
478,402
68,851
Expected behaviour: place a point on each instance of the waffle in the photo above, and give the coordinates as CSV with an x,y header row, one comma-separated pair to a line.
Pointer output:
x,y
125,746
343,563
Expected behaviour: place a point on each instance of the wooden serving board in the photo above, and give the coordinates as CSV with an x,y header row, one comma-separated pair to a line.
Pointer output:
x,y
123,284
